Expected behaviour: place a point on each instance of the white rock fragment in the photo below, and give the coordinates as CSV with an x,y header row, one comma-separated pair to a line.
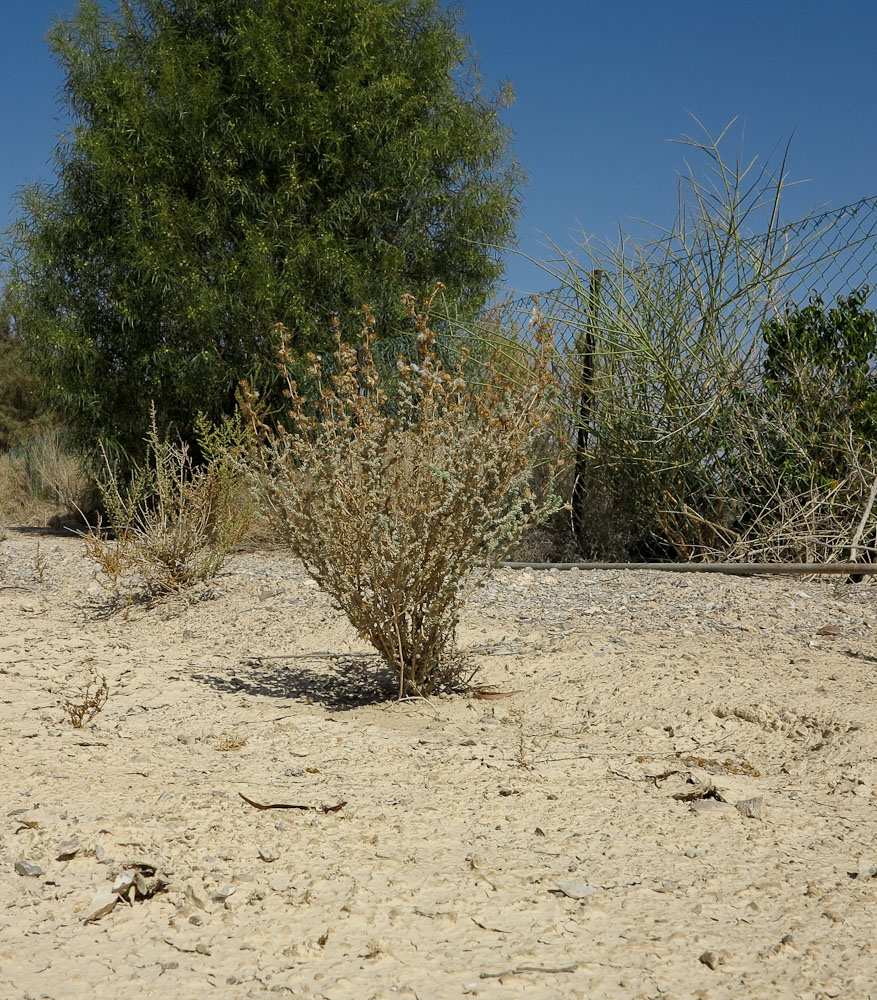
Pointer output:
x,y
712,807
751,808
195,894
575,890
123,882
863,868
69,849
102,903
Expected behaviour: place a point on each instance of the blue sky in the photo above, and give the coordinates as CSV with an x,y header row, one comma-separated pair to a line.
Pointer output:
x,y
601,88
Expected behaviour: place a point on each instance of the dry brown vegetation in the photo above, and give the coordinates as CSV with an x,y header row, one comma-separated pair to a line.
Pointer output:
x,y
173,522
399,495
40,479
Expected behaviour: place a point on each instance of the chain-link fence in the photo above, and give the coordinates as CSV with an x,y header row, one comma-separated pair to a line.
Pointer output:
x,y
685,443
832,253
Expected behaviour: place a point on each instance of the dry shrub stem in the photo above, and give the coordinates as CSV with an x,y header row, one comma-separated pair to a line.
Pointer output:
x,y
400,493
89,704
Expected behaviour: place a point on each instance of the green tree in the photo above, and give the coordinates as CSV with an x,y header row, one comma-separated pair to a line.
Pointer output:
x,y
822,362
237,163
23,414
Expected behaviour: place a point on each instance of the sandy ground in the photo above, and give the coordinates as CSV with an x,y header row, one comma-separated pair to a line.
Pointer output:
x,y
679,802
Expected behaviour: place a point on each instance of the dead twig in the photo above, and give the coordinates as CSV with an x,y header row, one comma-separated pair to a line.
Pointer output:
x,y
662,777
860,656
854,548
285,805
529,968
484,694
484,927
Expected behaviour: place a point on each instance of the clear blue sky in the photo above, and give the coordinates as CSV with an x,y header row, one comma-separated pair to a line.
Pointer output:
x,y
600,89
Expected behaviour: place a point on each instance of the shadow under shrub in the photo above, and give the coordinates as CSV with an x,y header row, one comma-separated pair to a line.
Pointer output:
x,y
399,494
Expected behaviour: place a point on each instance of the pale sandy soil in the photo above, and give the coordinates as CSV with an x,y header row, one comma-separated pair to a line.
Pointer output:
x,y
462,816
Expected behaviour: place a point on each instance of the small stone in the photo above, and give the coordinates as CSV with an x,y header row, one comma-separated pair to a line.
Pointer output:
x,y
103,902
268,854
221,895
28,870
864,868
710,959
196,896
100,854
711,807
123,882
69,849
467,743
833,916
574,890
751,808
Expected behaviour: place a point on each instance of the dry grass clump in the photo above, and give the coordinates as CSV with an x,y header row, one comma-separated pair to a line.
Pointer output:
x,y
399,495
174,522
40,478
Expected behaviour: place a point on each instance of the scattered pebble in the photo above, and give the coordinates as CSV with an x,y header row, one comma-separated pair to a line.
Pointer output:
x,y
27,869
69,849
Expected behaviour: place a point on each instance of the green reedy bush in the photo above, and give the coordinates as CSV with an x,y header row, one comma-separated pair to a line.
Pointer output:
x,y
690,451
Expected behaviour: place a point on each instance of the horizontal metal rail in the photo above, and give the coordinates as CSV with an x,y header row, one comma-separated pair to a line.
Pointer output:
x,y
732,569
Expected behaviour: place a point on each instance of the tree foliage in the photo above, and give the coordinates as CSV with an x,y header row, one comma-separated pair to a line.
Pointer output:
x,y
821,362
236,163
22,412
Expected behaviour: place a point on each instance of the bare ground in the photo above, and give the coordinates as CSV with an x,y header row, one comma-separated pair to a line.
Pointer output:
x,y
677,803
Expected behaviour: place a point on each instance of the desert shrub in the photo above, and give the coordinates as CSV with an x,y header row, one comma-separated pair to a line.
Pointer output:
x,y
173,522
400,498
821,362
